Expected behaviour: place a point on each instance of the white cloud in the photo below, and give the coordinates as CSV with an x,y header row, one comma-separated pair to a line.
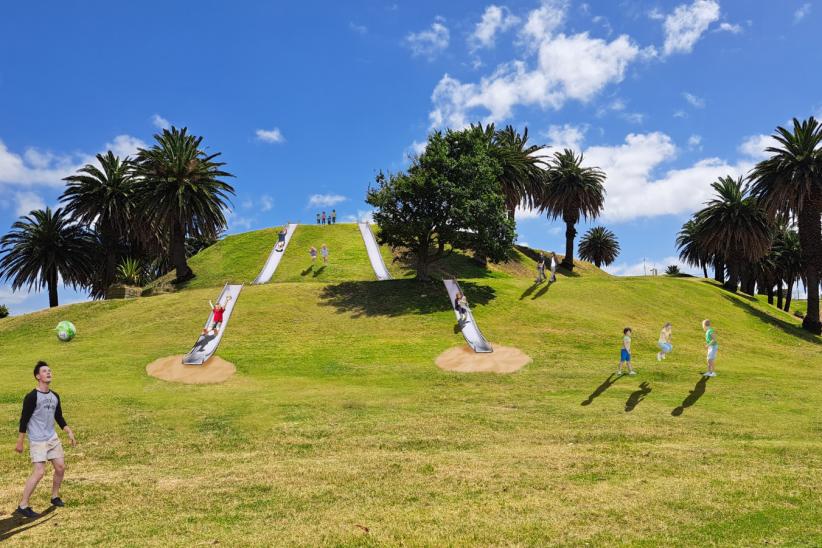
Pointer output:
x,y
159,122
729,27
753,147
429,42
359,29
9,297
28,201
686,25
236,222
270,135
125,145
680,114
565,136
266,203
643,267
695,142
801,12
543,21
325,200
495,19
557,77
693,100
415,149
523,214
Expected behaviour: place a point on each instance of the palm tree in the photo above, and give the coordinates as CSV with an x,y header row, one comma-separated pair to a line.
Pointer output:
x,y
790,183
788,261
43,247
691,250
599,246
179,192
102,197
570,192
734,226
523,173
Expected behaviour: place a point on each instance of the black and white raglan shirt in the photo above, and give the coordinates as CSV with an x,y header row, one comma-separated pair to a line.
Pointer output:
x,y
40,411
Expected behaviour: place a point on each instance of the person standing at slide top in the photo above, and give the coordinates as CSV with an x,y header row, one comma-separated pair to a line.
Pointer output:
x,y
41,409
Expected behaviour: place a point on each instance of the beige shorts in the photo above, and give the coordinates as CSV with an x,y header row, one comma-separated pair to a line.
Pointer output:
x,y
41,451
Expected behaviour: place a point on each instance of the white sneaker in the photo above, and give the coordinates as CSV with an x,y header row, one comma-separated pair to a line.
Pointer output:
x,y
664,356
619,373
632,372
712,374
658,357
706,374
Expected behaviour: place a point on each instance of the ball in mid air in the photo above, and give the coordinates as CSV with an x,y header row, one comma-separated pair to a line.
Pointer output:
x,y
65,331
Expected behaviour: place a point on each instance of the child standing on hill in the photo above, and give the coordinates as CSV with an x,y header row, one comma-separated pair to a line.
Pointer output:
x,y
216,316
313,252
712,346
625,352
540,269
553,267
664,343
333,216
324,253
323,217
318,218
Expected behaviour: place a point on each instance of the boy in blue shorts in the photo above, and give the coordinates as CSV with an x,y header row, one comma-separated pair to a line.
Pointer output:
x,y
625,353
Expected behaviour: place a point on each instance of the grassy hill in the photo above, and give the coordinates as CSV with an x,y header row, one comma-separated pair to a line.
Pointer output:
x,y
338,420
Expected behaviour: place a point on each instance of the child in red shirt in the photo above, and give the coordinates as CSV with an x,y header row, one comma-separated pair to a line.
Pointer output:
x,y
216,316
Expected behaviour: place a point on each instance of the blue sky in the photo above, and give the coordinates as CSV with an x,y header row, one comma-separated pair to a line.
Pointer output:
x,y
308,100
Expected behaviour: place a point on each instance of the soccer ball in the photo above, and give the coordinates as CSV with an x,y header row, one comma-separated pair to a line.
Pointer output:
x,y
65,331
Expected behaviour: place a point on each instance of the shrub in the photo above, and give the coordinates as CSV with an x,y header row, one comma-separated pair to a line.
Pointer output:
x,y
4,311
672,270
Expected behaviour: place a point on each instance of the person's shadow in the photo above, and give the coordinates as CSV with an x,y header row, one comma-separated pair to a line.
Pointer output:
x,y
319,271
612,378
528,291
543,291
14,525
637,396
692,398
307,270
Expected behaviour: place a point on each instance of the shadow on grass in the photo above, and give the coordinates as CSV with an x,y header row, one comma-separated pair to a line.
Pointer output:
x,y
14,525
399,297
637,396
307,270
785,326
693,397
612,378
543,291
528,291
319,271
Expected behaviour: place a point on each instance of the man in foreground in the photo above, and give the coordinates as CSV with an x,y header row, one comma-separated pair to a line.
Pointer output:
x,y
41,408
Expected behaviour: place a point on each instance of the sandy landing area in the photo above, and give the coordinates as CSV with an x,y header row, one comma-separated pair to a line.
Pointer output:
x,y
171,369
504,359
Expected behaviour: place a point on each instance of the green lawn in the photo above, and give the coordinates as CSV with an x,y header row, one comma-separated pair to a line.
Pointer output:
x,y
338,420
347,257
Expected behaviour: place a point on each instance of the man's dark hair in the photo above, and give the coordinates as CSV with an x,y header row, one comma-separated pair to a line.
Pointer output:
x,y
41,364
625,331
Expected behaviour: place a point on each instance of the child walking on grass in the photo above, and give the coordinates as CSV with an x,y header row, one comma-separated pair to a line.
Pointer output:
x,y
324,253
712,346
313,252
664,343
625,352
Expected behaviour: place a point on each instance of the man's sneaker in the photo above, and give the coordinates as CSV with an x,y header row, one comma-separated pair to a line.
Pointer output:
x,y
632,372
26,512
57,501
706,374
712,374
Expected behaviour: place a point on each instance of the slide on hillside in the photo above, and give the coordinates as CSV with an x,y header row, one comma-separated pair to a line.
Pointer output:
x,y
470,329
374,252
207,344
274,258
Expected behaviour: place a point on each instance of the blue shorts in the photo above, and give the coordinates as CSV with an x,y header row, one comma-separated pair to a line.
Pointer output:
x,y
665,347
624,356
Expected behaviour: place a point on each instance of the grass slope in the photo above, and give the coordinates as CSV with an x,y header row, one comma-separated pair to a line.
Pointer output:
x,y
347,257
337,419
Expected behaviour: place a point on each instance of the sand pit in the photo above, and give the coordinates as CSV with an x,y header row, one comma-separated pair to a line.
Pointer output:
x,y
504,359
171,369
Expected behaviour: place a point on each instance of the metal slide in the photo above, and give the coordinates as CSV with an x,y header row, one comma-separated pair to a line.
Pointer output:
x,y
207,345
374,252
470,329
274,258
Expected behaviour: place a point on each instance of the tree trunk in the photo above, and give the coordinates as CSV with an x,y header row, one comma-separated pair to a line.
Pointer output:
x,y
779,295
598,263
422,264
570,234
770,293
719,270
810,239
732,283
704,270
788,297
178,254
747,279
51,281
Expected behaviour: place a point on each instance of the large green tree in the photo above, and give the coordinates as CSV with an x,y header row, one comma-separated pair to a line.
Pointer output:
x,y
599,246
572,192
102,197
449,199
790,183
734,226
523,170
179,192
43,247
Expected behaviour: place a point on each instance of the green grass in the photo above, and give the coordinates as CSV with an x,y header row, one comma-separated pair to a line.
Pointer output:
x,y
235,259
347,257
337,418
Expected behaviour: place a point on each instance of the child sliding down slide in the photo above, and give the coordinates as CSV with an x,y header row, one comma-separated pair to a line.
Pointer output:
x,y
216,316
664,343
